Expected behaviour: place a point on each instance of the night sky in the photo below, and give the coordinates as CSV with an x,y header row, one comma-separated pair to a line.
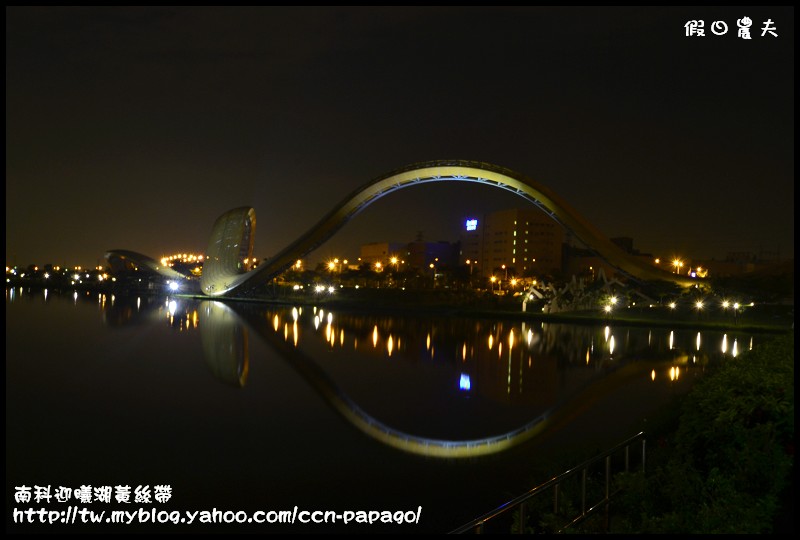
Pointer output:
x,y
135,128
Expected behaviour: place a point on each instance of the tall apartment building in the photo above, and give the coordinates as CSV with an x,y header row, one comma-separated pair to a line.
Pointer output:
x,y
527,241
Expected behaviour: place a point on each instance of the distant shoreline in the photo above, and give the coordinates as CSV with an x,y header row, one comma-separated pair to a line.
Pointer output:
x,y
767,318
767,323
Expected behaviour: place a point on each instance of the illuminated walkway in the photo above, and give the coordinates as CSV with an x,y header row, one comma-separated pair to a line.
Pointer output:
x,y
222,276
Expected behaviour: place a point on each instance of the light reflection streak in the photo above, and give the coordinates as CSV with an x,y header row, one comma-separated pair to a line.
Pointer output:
x,y
674,373
508,370
461,448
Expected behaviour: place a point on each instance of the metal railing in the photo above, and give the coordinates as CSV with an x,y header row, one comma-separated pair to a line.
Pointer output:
x,y
477,525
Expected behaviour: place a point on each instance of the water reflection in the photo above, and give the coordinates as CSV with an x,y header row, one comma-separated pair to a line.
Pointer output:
x,y
225,340
437,386
546,372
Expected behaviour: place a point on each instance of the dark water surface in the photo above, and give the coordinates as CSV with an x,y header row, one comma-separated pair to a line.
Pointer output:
x,y
246,407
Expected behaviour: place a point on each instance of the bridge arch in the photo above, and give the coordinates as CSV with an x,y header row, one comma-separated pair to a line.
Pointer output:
x,y
225,281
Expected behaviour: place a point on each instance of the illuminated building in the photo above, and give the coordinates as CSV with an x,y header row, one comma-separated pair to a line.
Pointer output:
x,y
417,254
381,252
527,241
135,270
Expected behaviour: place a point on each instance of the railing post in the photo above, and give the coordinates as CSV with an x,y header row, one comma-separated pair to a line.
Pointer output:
x,y
521,519
583,492
555,499
608,492
644,441
627,459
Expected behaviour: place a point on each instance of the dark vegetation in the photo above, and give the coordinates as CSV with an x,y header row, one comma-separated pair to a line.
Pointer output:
x,y
720,461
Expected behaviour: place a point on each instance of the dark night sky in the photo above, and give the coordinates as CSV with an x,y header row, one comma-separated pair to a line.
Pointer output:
x,y
134,128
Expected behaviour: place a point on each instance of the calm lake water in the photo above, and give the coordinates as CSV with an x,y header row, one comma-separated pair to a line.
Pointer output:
x,y
246,407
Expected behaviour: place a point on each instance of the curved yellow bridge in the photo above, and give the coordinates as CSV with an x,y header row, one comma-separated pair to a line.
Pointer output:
x,y
233,233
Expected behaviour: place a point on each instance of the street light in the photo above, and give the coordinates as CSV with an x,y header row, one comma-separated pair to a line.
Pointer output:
x,y
492,279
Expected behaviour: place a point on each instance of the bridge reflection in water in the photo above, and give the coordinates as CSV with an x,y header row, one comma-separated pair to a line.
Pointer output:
x,y
534,378
112,390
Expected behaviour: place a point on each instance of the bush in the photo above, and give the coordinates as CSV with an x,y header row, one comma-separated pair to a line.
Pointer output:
x,y
731,456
